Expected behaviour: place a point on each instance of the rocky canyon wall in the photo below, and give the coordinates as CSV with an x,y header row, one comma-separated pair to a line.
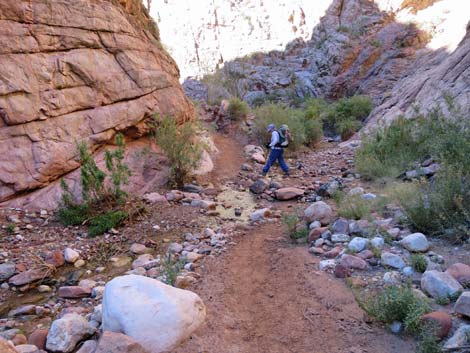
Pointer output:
x,y
399,52
75,71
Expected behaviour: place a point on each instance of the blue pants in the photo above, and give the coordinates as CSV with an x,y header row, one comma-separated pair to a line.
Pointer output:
x,y
276,154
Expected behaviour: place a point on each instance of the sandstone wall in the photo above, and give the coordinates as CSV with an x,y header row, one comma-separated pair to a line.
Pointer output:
x,y
75,71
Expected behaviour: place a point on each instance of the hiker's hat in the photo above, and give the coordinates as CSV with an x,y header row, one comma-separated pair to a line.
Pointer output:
x,y
284,127
271,127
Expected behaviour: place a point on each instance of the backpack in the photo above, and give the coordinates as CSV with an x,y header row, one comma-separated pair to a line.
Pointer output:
x,y
283,141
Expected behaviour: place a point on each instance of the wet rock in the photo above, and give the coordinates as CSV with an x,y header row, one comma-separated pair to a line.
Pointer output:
x,y
357,244
66,332
156,315
118,343
440,284
416,242
341,225
392,260
38,338
28,277
318,211
354,262
259,186
340,238
7,270
288,193
461,273
459,339
71,255
74,292
441,319
462,306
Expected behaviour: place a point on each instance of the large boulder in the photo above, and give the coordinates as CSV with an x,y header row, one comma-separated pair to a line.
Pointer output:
x,y
318,211
154,314
461,273
76,71
440,284
462,306
66,332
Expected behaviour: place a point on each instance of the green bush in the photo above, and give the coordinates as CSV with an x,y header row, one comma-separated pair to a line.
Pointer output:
x,y
348,127
237,109
104,222
419,263
294,226
74,215
179,145
398,303
353,206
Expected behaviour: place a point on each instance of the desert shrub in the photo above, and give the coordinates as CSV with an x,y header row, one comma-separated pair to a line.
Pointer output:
x,y
353,206
171,269
398,303
103,222
313,131
419,263
237,109
346,115
179,146
428,342
294,226
97,200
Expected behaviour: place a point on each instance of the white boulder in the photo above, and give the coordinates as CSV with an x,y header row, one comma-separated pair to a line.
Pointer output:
x,y
154,314
318,211
440,284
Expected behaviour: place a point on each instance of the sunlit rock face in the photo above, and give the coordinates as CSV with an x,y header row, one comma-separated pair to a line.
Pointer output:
x,y
74,71
399,52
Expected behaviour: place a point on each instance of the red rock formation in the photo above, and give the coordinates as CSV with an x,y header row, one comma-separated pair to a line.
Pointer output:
x,y
73,71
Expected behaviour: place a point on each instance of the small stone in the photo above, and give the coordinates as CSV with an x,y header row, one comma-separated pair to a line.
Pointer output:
x,y
342,271
118,343
38,338
416,242
139,249
6,347
462,306
316,251
318,211
44,288
74,292
193,257
55,258
142,260
392,260
461,273
71,255
326,265
23,310
369,196
184,282
288,193
357,244
120,261
28,277
79,263
442,320
392,278
408,271
314,225
7,270
259,215
440,284
26,348
155,197
89,347
19,339
97,292
459,339
377,243
259,186
339,238
341,225
354,262
87,283
316,233
175,248
396,327
333,253
365,254
66,332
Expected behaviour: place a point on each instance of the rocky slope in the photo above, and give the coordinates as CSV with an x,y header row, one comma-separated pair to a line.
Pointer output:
x,y
398,52
76,71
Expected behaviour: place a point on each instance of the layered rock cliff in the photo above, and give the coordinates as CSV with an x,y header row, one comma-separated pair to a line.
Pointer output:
x,y
75,71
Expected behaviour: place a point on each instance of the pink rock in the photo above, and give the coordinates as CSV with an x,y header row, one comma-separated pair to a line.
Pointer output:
x,y
461,273
155,197
27,277
333,252
118,343
365,254
342,271
55,258
38,338
443,321
288,193
350,261
74,292
316,233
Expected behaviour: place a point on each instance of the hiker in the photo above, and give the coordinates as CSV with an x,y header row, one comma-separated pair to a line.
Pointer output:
x,y
279,141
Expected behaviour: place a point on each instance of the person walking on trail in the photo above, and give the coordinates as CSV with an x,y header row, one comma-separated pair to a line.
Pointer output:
x,y
279,141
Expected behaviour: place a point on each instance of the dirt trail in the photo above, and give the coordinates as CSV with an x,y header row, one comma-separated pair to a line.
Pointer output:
x,y
267,295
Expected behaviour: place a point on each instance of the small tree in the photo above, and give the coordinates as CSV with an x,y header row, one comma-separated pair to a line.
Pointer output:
x,y
179,146
119,172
